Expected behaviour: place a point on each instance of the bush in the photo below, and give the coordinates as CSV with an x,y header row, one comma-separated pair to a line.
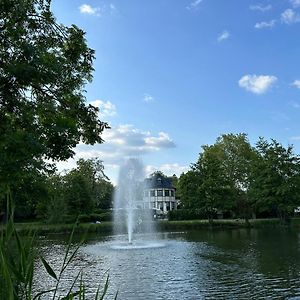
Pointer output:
x,y
186,214
103,217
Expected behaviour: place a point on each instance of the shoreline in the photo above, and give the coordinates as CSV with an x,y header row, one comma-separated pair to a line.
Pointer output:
x,y
162,225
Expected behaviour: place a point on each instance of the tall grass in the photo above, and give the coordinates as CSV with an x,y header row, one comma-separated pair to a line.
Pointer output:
x,y
17,260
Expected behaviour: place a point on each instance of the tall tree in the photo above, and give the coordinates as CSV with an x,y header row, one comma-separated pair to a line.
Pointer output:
x,y
188,188
215,189
275,184
238,156
219,180
43,69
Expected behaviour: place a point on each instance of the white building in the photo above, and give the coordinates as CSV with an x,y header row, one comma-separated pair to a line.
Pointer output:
x,y
159,193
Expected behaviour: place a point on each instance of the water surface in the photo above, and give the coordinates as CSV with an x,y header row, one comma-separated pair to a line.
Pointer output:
x,y
205,264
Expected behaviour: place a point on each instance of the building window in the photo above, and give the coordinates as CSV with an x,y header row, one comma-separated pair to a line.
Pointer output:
x,y
159,193
167,193
168,206
152,193
172,193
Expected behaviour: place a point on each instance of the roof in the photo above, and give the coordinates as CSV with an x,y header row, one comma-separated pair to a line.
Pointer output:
x,y
158,180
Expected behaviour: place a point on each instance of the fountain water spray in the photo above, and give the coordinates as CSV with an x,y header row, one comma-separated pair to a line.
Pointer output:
x,y
131,214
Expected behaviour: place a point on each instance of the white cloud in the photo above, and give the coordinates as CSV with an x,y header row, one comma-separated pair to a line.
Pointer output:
x,y
125,141
257,84
223,36
167,169
162,141
289,16
296,83
89,10
194,4
260,7
295,3
295,138
262,25
106,108
121,142
148,98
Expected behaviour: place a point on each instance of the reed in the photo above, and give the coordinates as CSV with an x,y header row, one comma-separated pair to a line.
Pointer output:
x,y
17,260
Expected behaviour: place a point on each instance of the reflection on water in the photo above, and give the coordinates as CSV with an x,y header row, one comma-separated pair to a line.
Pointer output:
x,y
206,264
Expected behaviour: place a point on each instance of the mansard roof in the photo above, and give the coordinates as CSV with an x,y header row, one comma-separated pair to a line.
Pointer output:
x,y
158,180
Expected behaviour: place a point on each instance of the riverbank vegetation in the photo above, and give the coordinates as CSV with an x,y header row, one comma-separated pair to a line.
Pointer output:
x,y
232,179
43,116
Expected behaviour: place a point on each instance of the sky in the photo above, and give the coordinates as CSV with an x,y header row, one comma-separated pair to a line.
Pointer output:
x,y
173,75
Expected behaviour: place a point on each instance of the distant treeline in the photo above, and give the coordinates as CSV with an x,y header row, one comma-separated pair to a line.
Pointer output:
x,y
84,192
233,179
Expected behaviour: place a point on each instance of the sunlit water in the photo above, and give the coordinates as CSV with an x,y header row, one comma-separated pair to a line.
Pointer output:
x,y
218,264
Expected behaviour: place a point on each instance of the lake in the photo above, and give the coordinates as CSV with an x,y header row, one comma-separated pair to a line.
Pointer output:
x,y
203,264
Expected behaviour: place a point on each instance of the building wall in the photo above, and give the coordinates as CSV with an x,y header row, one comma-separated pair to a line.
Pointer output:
x,y
160,198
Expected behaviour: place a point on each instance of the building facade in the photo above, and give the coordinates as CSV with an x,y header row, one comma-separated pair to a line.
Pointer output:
x,y
159,193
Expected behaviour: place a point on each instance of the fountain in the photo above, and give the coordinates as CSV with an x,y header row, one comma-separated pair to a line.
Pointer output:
x,y
132,216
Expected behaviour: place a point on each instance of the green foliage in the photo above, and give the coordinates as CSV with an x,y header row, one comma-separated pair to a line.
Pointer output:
x,y
17,260
275,183
216,189
103,217
84,190
232,176
188,187
44,67
186,214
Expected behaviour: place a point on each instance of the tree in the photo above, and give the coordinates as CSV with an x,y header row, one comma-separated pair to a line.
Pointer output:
x,y
219,180
43,69
53,208
215,188
238,156
77,193
98,183
104,192
275,184
188,187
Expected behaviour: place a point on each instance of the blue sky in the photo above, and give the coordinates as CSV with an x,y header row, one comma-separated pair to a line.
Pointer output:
x,y
171,75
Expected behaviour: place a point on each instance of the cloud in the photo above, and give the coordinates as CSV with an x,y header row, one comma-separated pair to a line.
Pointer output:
x,y
295,138
257,84
106,108
262,25
296,83
121,142
260,7
167,169
98,11
112,7
294,104
194,5
289,16
89,10
148,98
223,36
295,3
125,141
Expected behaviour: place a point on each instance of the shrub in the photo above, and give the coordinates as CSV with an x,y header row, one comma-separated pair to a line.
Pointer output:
x,y
186,214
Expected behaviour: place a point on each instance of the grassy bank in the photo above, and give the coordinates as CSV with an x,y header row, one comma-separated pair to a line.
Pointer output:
x,y
228,223
107,227
40,228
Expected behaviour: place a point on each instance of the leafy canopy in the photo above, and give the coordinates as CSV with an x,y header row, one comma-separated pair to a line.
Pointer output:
x,y
44,67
